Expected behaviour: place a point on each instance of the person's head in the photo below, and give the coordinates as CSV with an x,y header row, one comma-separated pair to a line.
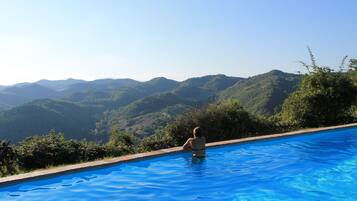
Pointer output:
x,y
197,132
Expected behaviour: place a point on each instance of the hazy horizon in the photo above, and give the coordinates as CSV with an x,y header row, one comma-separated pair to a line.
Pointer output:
x,y
141,39
20,82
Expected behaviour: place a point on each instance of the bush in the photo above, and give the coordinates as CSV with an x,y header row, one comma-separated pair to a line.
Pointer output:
x,y
158,141
323,98
8,163
222,121
53,149
42,151
353,65
353,76
88,151
127,141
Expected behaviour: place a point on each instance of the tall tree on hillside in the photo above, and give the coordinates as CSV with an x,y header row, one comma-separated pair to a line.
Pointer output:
x,y
323,98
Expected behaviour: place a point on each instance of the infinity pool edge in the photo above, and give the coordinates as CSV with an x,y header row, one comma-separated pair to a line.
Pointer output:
x,y
141,156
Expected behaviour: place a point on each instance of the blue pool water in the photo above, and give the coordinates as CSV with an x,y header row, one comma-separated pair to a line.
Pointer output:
x,y
321,166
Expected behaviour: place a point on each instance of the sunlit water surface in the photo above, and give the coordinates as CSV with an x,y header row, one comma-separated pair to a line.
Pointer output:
x,y
320,166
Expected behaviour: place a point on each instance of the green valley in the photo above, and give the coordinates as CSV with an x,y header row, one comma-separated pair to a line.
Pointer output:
x,y
91,110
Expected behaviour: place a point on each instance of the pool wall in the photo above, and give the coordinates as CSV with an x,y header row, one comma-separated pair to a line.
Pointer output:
x,y
112,161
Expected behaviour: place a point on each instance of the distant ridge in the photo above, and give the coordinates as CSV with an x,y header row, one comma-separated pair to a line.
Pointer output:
x,y
83,108
16,95
32,91
265,93
101,84
59,85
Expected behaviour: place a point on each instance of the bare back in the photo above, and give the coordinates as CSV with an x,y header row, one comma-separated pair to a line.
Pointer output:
x,y
199,146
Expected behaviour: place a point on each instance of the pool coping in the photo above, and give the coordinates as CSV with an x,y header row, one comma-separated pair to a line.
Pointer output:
x,y
140,156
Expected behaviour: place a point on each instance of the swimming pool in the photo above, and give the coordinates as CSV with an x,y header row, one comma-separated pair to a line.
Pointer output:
x,y
321,166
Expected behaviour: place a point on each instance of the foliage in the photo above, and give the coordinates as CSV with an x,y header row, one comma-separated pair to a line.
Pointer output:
x,y
7,159
151,104
222,121
353,65
53,149
323,98
158,141
142,116
263,94
43,115
124,139
352,73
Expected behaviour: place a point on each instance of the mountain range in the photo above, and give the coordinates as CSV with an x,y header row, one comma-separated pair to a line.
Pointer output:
x,y
91,109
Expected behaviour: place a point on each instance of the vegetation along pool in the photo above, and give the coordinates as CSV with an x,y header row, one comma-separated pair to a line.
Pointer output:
x,y
321,166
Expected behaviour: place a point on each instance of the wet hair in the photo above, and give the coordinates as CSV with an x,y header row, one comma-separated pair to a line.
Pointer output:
x,y
197,132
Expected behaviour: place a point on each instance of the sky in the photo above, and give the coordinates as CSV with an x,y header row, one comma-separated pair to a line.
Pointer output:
x,y
177,39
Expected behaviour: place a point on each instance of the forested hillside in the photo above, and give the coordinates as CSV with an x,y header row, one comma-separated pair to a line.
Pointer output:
x,y
157,108
19,94
265,93
41,116
91,109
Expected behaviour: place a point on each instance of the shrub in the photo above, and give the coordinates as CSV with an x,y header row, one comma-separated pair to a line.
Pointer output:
x,y
42,151
158,141
8,163
53,149
88,151
353,76
222,121
353,65
323,98
127,141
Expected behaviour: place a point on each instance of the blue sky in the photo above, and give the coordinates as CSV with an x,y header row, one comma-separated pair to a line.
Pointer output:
x,y
142,39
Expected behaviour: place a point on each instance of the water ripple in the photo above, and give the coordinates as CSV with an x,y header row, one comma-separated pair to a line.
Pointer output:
x,y
312,167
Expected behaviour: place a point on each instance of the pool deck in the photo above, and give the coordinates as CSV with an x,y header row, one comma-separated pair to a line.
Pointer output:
x,y
111,161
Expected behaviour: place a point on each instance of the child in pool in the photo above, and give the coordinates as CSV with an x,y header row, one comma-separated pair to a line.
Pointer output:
x,y
197,144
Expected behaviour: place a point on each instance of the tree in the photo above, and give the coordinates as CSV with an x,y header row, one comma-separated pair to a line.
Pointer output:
x,y
220,121
53,149
48,150
353,64
7,159
323,98
353,75
123,139
160,140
